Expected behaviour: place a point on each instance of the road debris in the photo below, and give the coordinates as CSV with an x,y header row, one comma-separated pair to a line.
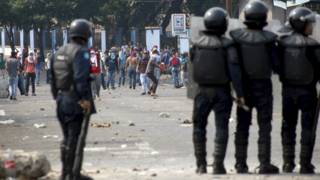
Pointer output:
x,y
39,125
131,123
100,125
25,165
164,115
42,109
50,136
123,146
187,121
7,122
2,112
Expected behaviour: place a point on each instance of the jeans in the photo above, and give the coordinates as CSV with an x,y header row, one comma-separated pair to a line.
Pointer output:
x,y
175,75
30,77
13,83
122,77
38,72
103,81
154,80
144,82
95,85
21,86
111,76
132,78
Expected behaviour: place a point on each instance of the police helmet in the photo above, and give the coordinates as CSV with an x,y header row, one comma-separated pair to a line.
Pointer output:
x,y
216,20
255,14
300,17
80,28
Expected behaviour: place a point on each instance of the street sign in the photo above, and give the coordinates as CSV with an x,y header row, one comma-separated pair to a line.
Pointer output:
x,y
284,4
178,22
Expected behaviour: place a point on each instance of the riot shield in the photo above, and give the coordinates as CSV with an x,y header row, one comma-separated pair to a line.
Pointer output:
x,y
316,29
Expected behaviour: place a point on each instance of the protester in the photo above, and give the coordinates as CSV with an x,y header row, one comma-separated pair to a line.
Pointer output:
x,y
175,69
112,64
122,66
152,65
30,70
47,67
131,65
95,73
141,68
12,67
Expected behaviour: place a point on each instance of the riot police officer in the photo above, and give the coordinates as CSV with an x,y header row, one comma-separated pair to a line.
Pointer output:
x,y
255,47
211,56
71,89
300,55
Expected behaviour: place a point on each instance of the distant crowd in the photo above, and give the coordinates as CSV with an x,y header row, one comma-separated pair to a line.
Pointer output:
x,y
119,66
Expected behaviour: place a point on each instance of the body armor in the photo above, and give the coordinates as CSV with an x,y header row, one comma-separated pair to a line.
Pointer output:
x,y
297,64
254,49
209,61
62,65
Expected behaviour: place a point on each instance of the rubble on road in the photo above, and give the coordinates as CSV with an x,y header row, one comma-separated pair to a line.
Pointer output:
x,y
26,166
50,136
39,125
2,112
131,123
7,122
100,125
164,115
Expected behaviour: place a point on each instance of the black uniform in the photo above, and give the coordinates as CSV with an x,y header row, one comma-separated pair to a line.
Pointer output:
x,y
300,57
212,56
70,74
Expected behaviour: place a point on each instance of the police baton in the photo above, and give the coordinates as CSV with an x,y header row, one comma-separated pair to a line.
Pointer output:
x,y
80,146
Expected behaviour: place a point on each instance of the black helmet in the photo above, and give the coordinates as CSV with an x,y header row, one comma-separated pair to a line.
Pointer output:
x,y
255,14
300,17
80,28
216,20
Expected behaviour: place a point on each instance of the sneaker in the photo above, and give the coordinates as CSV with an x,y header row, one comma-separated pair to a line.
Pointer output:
x,y
144,93
34,94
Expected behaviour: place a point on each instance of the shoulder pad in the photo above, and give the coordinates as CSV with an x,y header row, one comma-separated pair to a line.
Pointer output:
x,y
297,40
252,36
211,41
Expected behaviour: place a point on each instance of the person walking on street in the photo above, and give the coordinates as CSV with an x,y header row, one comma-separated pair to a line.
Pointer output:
x,y
112,64
30,70
141,68
122,65
131,65
38,66
95,73
70,87
47,67
12,67
299,74
257,47
152,64
21,78
175,65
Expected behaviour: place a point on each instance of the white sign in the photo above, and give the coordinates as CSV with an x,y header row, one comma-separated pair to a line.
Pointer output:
x,y
152,38
178,23
31,33
284,4
184,45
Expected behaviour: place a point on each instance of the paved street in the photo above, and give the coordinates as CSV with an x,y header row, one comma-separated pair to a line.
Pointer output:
x,y
137,143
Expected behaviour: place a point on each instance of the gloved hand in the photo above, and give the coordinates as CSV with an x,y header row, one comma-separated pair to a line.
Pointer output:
x,y
85,105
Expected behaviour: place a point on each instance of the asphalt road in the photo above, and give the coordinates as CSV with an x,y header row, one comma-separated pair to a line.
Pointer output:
x,y
136,142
